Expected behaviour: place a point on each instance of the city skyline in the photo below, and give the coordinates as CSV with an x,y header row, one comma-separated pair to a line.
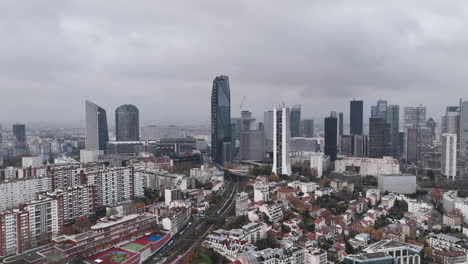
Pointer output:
x,y
115,57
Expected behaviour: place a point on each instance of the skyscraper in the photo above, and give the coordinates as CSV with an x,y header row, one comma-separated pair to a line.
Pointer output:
x,y
307,128
97,134
19,140
221,141
331,139
392,117
127,124
281,162
356,117
464,130
449,156
379,138
411,144
295,121
340,124
415,116
268,129
380,109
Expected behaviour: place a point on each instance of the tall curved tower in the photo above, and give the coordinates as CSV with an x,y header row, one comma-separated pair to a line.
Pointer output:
x,y
221,143
127,123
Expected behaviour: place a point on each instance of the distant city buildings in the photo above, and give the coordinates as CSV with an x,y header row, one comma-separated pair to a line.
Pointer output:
x,y
127,124
221,141
97,134
281,141
464,130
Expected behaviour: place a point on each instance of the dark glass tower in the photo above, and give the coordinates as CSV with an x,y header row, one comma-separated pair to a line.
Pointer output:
x,y
127,123
97,134
295,121
307,128
19,139
331,137
356,117
379,138
221,144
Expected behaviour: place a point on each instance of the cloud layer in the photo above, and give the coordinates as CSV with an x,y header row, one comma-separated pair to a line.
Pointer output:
x,y
163,55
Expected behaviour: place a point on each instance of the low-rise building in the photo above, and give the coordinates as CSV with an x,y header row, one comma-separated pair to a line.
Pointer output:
x,y
397,183
450,257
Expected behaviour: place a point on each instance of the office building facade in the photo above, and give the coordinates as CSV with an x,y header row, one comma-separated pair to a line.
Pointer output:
x,y
331,137
221,140
356,117
97,134
379,138
307,128
281,141
415,116
127,123
19,140
295,121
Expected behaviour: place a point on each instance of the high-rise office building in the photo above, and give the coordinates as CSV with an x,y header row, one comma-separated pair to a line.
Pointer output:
x,y
415,116
356,117
268,130
379,138
97,134
331,138
411,144
449,156
431,123
340,124
392,117
464,130
354,145
127,124
281,141
379,110
307,128
221,140
451,122
19,140
252,145
295,121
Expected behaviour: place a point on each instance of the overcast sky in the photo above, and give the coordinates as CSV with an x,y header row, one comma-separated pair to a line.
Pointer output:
x,y
163,55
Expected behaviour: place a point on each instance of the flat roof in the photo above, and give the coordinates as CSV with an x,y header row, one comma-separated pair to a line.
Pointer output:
x,y
112,256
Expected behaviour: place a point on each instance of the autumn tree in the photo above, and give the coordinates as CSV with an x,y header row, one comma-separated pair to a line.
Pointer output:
x,y
82,224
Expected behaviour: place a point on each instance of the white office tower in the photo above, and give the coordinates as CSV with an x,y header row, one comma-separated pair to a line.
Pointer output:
x,y
316,163
281,162
449,155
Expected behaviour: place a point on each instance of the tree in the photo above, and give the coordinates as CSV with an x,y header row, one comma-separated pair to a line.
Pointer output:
x,y
349,248
82,224
436,194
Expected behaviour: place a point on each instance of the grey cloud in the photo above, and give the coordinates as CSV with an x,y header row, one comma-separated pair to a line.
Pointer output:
x,y
163,55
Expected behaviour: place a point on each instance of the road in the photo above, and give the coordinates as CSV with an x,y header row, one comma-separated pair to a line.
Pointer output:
x,y
193,234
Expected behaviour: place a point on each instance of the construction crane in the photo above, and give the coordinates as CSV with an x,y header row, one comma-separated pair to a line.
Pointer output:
x,y
242,103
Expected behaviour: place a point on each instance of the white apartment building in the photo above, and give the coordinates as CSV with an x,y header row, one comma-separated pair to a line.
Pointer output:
x,y
261,193
315,256
444,242
449,156
15,192
242,204
273,211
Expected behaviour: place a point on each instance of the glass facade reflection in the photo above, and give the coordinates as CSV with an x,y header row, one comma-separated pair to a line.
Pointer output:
x,y
221,121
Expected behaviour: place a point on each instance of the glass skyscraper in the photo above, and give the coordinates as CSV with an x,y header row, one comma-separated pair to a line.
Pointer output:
x,y
221,140
97,134
379,138
295,121
331,137
19,140
127,125
356,117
